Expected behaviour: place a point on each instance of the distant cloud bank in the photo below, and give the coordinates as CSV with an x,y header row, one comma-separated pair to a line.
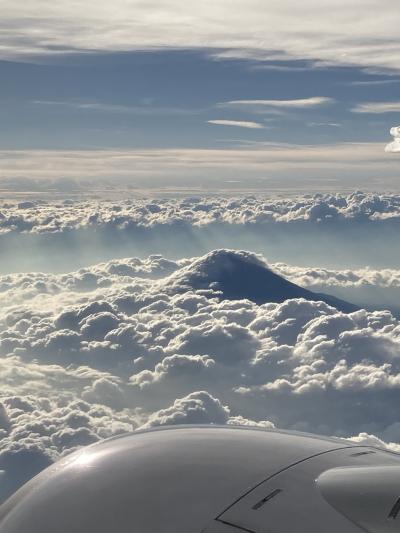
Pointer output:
x,y
39,217
254,165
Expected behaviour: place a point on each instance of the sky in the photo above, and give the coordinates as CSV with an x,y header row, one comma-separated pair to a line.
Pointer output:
x,y
165,93
199,221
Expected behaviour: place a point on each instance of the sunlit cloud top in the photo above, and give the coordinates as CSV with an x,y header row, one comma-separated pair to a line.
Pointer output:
x,y
394,147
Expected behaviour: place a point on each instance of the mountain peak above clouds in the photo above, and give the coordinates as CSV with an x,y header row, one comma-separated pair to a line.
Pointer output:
x,y
245,275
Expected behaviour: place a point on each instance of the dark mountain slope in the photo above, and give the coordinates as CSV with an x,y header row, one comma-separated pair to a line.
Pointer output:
x,y
243,275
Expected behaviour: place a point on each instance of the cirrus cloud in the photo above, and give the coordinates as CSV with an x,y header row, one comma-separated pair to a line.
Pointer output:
x,y
341,34
238,123
259,106
377,107
253,165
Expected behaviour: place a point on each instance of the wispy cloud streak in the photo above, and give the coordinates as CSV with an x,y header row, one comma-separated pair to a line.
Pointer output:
x,y
299,103
102,107
238,123
377,107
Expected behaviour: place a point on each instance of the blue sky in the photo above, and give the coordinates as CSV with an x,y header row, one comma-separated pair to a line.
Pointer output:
x,y
237,76
167,98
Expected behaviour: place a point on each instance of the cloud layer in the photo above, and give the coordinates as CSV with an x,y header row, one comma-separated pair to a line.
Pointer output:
x,y
301,230
249,165
343,33
139,343
41,217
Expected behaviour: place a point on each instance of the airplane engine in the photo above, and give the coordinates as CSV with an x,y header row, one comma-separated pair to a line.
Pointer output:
x,y
212,479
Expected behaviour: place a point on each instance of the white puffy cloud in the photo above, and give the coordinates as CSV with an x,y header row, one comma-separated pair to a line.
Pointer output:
x,y
321,278
371,440
395,132
304,227
196,408
42,218
200,408
395,145
129,340
364,286
42,428
142,343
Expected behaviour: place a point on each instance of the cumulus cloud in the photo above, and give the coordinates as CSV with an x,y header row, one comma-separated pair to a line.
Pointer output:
x,y
367,287
322,278
127,341
138,343
81,233
200,408
42,428
394,146
371,440
395,132
196,408
238,123
68,216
